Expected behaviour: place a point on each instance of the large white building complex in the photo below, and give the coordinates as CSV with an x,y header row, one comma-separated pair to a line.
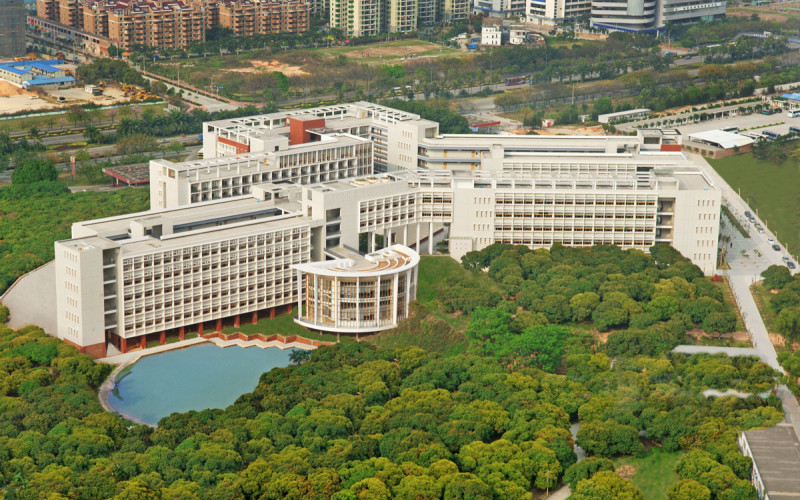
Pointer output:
x,y
273,217
623,15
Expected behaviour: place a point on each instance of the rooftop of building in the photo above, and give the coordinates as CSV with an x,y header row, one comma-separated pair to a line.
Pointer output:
x,y
776,454
325,140
389,260
25,67
355,111
627,112
183,226
721,139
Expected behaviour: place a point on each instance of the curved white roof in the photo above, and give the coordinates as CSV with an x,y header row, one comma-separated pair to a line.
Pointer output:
x,y
389,260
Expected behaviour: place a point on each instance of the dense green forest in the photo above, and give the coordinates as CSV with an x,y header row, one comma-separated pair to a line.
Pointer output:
x,y
32,216
355,421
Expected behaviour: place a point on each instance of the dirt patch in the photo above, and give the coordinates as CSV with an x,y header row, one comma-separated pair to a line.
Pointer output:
x,y
697,333
777,339
602,337
626,471
578,130
398,51
10,90
286,69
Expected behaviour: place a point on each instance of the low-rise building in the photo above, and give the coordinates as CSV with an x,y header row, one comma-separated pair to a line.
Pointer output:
x,y
39,74
631,114
492,32
775,452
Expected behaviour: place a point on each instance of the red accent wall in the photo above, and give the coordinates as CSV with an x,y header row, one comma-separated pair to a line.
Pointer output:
x,y
670,147
298,129
240,148
94,350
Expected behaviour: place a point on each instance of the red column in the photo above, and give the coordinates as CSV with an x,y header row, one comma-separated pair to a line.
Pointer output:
x,y
200,329
271,313
255,317
163,339
236,321
290,308
123,348
181,333
219,325
143,342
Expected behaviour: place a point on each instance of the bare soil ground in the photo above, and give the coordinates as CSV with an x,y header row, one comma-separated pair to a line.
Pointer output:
x,y
14,99
390,51
735,336
273,65
572,130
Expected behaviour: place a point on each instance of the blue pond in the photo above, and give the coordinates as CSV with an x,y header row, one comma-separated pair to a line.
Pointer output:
x,y
195,378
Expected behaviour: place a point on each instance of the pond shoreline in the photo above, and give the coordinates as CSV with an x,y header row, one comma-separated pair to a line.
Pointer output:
x,y
124,361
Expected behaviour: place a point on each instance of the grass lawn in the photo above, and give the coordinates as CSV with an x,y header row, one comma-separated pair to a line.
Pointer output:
x,y
389,51
655,473
281,325
769,188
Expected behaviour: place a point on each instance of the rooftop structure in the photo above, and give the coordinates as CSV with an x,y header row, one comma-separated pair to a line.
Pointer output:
x,y
630,114
36,73
721,139
776,454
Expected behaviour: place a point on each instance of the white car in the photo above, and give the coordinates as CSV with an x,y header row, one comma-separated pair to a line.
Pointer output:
x,y
794,114
771,241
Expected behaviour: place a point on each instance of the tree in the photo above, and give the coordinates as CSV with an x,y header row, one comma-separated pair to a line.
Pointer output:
x,y
609,438
719,322
540,346
35,133
583,305
136,144
606,485
175,147
585,469
92,134
34,169
688,489
788,322
776,277
602,106
92,171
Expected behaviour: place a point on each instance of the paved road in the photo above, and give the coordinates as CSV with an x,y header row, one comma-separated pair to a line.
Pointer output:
x,y
707,349
746,267
210,104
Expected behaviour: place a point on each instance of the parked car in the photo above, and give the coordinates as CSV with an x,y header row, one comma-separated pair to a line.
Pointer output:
x,y
786,259
759,228
776,248
771,241
748,214
790,265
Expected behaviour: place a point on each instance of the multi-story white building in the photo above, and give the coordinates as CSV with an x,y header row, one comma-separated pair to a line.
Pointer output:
x,y
553,13
652,15
123,278
358,294
499,8
224,232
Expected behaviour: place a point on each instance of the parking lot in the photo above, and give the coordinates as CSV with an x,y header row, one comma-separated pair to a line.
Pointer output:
x,y
754,123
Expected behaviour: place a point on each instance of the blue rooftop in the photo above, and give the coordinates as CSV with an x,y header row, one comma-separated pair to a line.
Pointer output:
x,y
795,96
46,80
22,67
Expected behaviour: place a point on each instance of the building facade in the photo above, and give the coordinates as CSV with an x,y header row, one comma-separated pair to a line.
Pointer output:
x,y
360,294
12,26
291,194
175,23
638,16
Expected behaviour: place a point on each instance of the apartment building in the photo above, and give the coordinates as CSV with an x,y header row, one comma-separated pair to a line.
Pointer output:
x,y
358,18
358,294
12,27
499,8
682,11
175,23
553,13
264,17
401,15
